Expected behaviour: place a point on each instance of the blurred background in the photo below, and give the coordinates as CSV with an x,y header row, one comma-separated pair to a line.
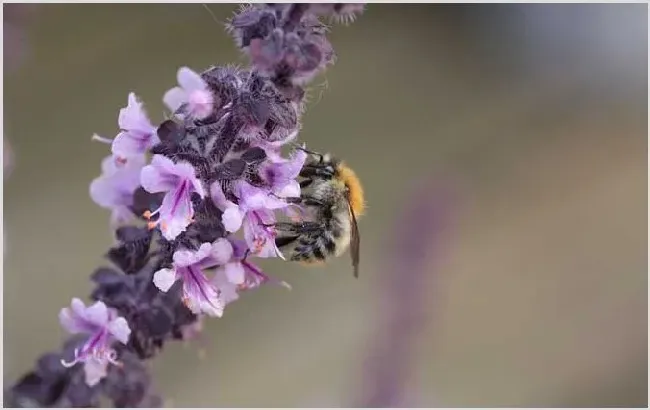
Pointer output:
x,y
528,122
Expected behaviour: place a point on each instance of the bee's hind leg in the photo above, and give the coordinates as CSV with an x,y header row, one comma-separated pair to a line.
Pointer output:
x,y
289,199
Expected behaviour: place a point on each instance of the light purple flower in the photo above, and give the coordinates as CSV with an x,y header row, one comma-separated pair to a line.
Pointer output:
x,y
179,181
281,173
255,213
193,94
199,295
138,135
104,327
114,188
236,273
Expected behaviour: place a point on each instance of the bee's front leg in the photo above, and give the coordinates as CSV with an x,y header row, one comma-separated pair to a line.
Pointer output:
x,y
311,171
311,201
289,199
305,227
306,183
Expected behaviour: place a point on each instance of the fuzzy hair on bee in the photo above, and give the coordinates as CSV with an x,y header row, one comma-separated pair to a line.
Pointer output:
x,y
332,198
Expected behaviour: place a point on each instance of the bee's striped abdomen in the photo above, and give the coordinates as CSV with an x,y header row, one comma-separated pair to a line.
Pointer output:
x,y
321,245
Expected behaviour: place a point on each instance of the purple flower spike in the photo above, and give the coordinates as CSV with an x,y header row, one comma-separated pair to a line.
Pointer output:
x,y
199,295
227,134
138,135
179,182
104,326
193,95
115,187
281,174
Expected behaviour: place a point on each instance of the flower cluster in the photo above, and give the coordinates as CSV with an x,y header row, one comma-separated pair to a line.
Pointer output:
x,y
193,201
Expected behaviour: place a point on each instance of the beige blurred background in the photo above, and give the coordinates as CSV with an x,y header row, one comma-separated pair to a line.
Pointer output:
x,y
537,113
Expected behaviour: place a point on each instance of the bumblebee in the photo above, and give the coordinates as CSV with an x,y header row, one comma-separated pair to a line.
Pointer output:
x,y
332,196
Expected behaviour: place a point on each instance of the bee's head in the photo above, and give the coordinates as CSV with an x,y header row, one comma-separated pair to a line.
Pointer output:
x,y
326,164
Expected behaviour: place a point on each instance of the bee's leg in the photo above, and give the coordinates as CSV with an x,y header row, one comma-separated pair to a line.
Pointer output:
x,y
311,201
289,199
306,183
311,171
282,226
293,200
285,240
298,227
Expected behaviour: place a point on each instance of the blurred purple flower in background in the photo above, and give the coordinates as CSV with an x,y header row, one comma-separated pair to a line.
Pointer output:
x,y
421,233
15,51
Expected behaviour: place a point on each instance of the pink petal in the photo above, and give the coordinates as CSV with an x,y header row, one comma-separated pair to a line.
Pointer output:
x,y
174,227
235,273
128,144
232,219
184,258
218,197
202,297
203,253
222,251
70,322
109,165
120,330
227,290
186,171
95,371
174,98
164,279
102,192
176,212
97,314
290,190
200,104
78,308
154,177
189,80
133,117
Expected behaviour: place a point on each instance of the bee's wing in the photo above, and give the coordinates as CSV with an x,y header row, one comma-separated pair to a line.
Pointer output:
x,y
355,242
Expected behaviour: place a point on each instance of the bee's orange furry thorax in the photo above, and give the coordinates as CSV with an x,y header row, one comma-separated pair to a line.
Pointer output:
x,y
350,179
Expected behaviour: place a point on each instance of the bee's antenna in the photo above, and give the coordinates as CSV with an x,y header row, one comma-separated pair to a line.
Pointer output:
x,y
296,146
